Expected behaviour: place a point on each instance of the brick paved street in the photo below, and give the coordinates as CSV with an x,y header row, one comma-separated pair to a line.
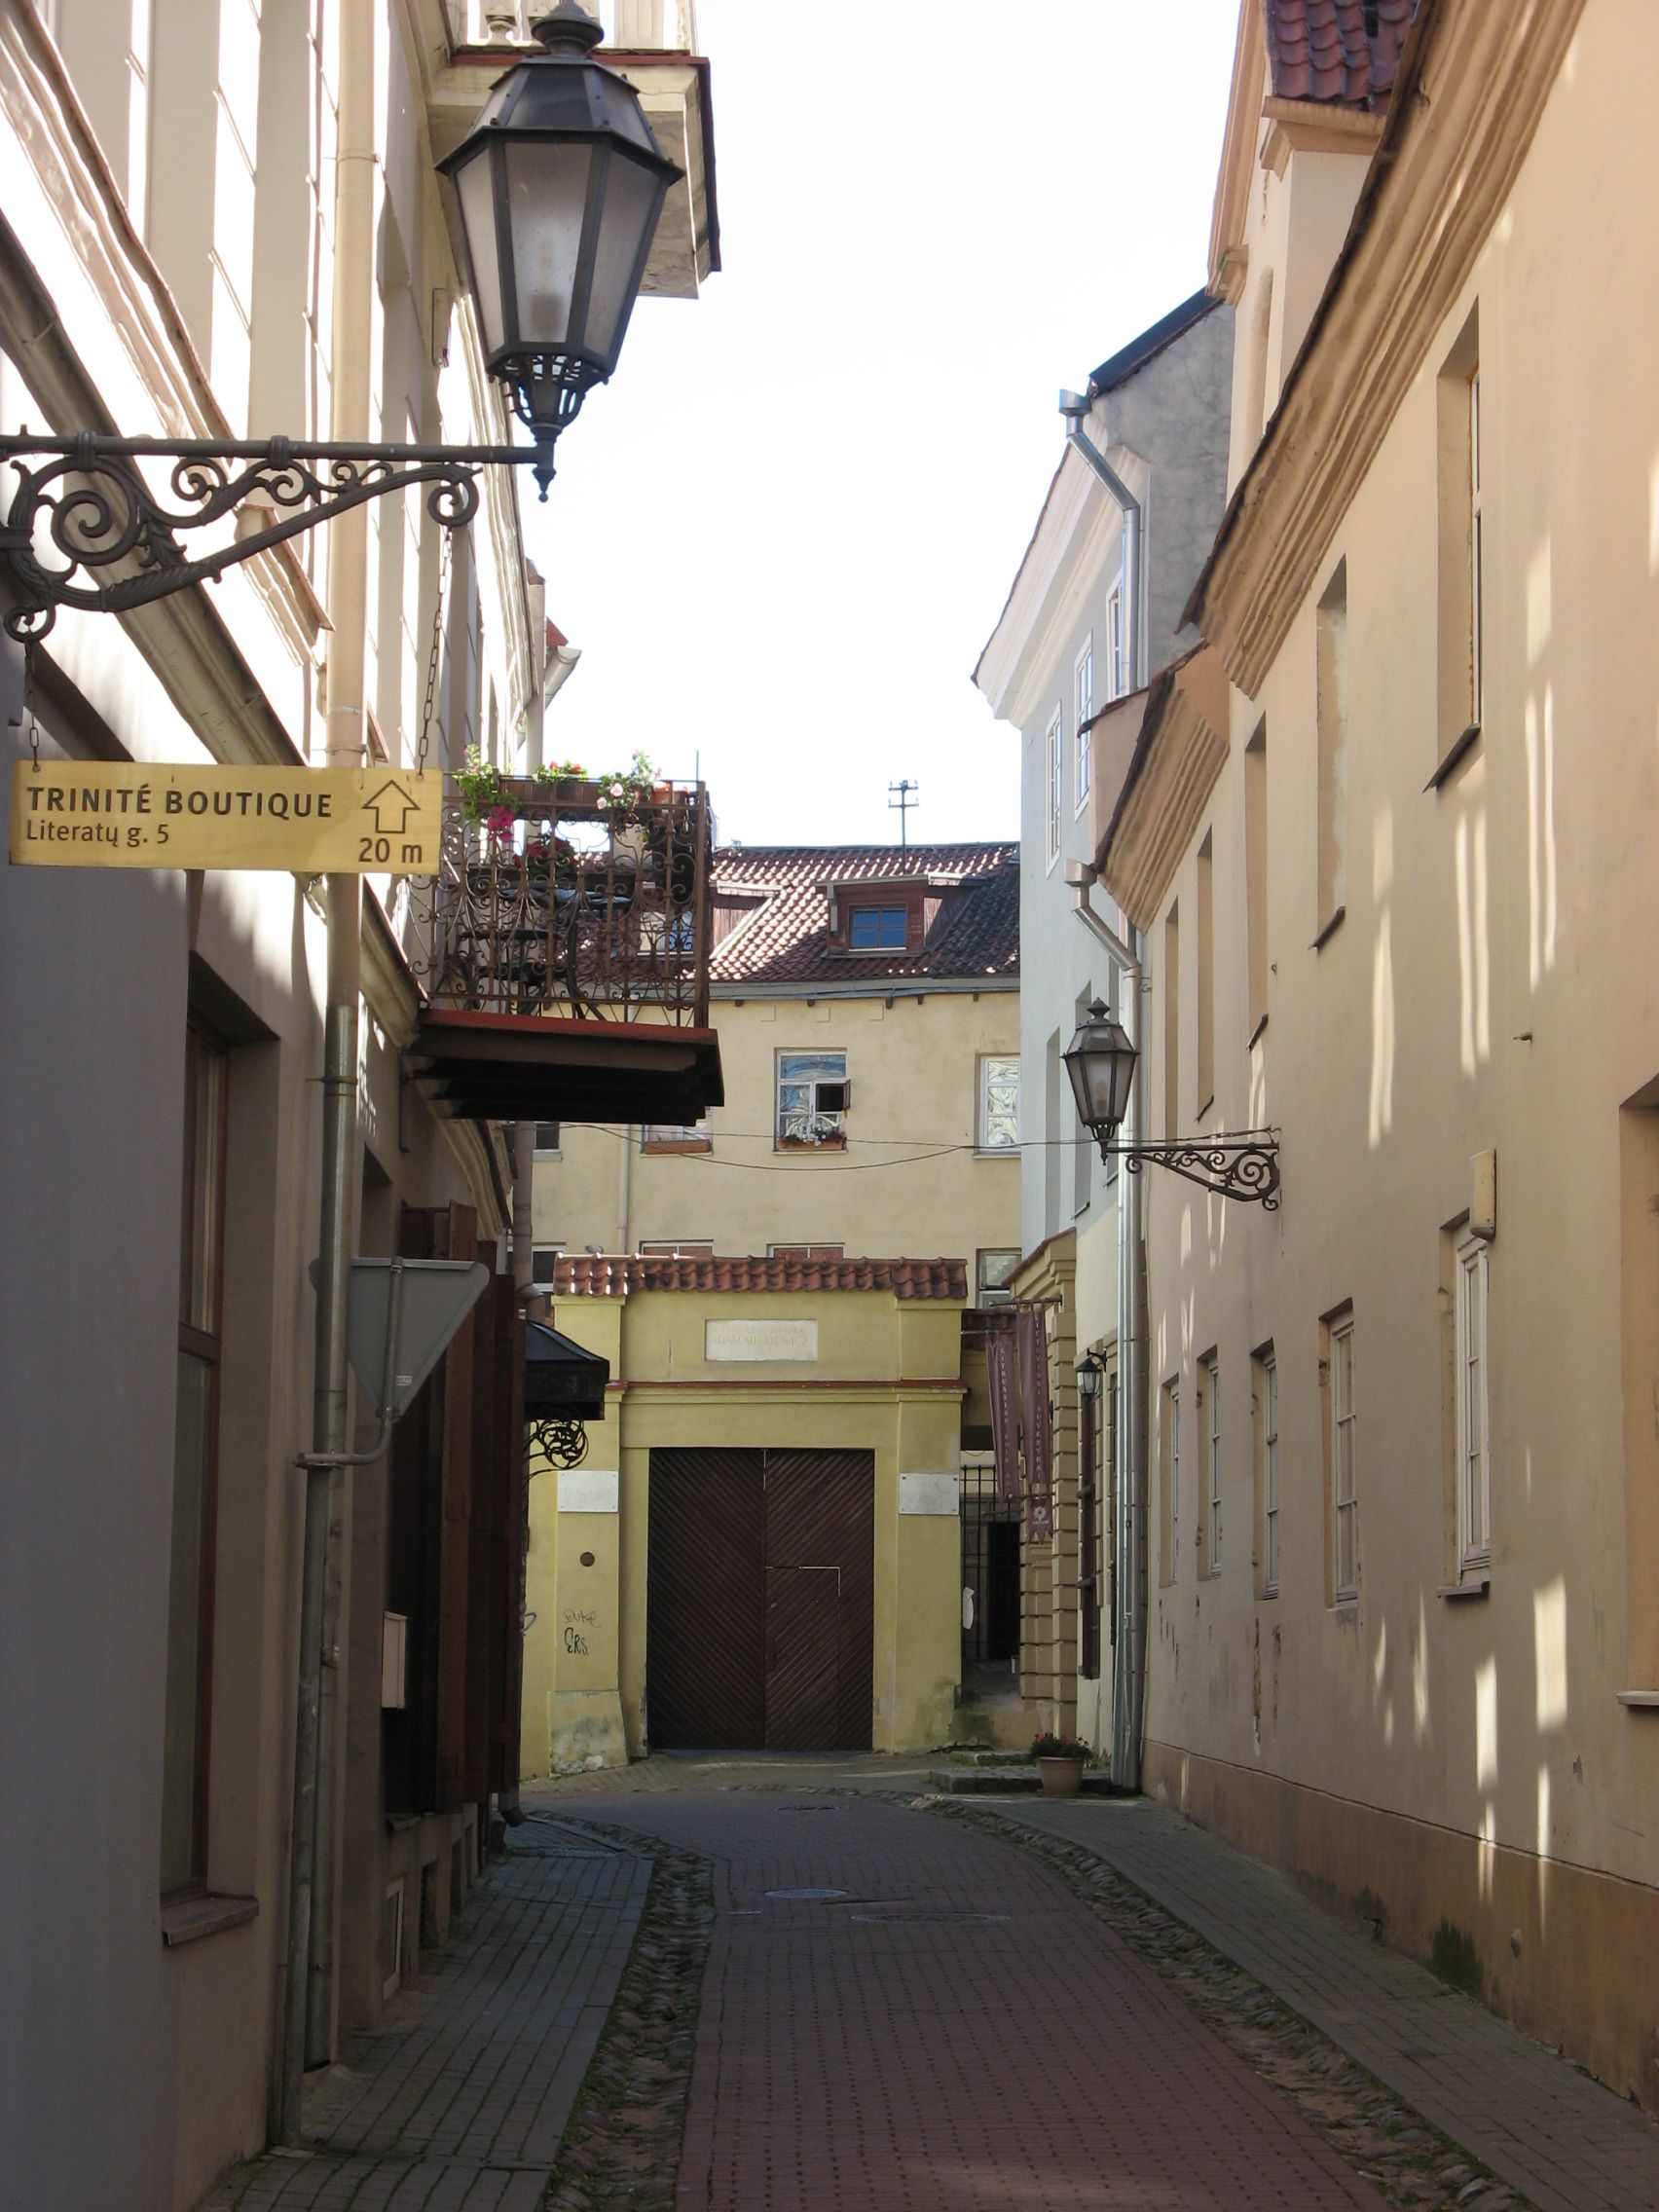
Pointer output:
x,y
460,2104
946,2029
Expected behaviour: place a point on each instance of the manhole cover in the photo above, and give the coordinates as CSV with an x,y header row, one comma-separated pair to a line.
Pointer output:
x,y
805,1897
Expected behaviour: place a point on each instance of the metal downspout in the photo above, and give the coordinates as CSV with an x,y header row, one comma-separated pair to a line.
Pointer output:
x,y
1074,410
307,2028
1129,1649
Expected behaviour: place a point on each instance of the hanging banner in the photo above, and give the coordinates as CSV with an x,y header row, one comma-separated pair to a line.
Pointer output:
x,y
1004,1409
1032,1336
151,814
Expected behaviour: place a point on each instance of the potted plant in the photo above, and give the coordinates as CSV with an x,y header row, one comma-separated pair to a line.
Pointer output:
x,y
1061,1762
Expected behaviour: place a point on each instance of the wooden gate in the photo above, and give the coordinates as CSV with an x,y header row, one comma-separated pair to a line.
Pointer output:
x,y
760,1596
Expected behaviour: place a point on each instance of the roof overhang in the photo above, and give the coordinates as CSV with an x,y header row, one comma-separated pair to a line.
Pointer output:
x,y
537,1067
1178,756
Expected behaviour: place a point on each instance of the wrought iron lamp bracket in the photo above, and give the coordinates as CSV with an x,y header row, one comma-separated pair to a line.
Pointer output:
x,y
86,529
1244,1167
561,1437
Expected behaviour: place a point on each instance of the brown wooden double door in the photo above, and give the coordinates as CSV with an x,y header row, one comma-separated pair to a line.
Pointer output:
x,y
761,1600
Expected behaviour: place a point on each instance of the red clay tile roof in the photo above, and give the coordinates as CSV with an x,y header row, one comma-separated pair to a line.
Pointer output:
x,y
601,1274
1343,51
975,936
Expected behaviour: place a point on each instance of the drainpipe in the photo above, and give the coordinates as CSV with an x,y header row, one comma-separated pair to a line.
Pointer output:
x,y
624,1192
1128,1650
307,2028
1074,406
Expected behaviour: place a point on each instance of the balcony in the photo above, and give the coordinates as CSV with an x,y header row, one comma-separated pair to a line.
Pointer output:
x,y
649,41
563,957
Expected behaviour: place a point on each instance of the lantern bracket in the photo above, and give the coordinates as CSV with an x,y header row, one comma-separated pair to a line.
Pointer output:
x,y
84,529
1244,1165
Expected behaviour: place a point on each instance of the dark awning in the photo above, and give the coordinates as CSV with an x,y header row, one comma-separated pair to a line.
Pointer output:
x,y
560,1380
510,1067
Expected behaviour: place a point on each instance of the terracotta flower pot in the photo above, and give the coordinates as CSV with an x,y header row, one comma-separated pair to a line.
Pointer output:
x,y
1060,1778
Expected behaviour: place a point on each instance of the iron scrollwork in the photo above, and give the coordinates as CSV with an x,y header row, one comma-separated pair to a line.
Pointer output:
x,y
86,529
561,1437
1244,1166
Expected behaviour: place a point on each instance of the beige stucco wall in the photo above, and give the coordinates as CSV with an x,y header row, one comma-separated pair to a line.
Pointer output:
x,y
913,1064
885,1382
1490,988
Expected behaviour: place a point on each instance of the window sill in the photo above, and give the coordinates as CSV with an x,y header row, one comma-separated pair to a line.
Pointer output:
x,y
1268,1596
1639,1701
996,1151
670,1151
1476,1586
1456,752
1329,931
186,1920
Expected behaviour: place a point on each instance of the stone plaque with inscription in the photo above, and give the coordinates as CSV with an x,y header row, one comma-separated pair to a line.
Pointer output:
x,y
760,1340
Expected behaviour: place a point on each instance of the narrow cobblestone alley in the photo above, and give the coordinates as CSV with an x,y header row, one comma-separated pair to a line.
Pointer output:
x,y
890,2012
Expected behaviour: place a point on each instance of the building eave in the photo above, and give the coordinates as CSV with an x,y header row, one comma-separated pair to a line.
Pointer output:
x,y
1472,86
1178,758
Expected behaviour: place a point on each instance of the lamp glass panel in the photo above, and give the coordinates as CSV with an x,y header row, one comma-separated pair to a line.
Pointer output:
x,y
1100,1061
547,189
632,195
474,188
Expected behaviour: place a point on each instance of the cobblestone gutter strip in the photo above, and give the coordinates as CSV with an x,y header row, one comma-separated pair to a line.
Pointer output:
x,y
620,2150
1366,2124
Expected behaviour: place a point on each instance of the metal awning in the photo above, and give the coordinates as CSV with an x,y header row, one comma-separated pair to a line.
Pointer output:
x,y
562,1381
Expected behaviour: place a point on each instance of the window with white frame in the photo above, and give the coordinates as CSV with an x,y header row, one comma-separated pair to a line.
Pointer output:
x,y
1053,748
1474,1470
1344,1490
998,1127
1085,715
992,1268
1212,1399
1172,1462
1116,669
1268,1383
676,1136
813,1095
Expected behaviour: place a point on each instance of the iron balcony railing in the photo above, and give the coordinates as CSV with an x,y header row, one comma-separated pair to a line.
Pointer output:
x,y
566,899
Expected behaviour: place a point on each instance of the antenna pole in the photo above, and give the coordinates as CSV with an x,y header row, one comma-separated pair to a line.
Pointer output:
x,y
910,795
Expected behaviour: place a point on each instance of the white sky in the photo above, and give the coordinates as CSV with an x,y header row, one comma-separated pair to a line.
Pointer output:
x,y
785,530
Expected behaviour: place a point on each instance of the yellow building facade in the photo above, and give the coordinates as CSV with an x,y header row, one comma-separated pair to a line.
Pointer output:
x,y
789,1278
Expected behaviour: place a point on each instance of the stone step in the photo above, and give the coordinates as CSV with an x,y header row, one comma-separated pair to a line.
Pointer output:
x,y
987,1781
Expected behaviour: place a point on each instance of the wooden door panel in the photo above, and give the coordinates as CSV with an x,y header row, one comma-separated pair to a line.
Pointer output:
x,y
821,1662
705,1670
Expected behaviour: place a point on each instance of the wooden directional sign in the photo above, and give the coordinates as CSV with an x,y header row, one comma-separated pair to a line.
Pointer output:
x,y
309,821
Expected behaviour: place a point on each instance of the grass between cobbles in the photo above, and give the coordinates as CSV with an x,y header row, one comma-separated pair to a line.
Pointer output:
x,y
621,2148
1371,2129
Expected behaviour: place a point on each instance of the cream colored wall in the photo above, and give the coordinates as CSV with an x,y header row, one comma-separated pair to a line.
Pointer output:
x,y
1490,989
900,1357
185,2038
913,1067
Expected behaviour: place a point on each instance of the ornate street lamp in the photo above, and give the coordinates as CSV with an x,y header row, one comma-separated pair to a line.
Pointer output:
x,y
560,184
1100,1061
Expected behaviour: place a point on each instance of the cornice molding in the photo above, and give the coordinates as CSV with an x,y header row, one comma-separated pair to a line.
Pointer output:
x,y
1239,141
1181,751
1314,126
1472,86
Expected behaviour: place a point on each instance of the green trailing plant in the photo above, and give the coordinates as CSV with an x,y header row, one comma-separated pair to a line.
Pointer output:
x,y
479,783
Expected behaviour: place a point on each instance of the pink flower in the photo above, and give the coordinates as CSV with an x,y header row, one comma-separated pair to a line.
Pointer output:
x,y
499,821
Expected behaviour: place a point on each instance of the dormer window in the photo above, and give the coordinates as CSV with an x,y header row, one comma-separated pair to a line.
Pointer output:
x,y
882,916
879,929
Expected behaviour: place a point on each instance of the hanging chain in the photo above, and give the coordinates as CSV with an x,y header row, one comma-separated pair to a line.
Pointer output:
x,y
429,705
29,713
